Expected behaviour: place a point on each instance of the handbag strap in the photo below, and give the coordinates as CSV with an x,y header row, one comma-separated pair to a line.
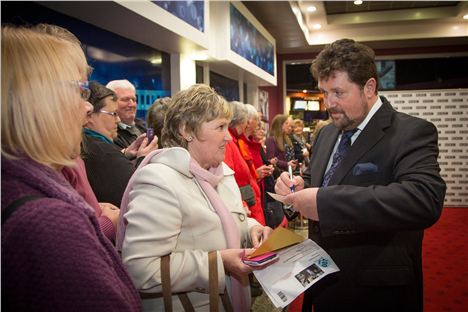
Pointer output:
x,y
166,282
183,297
14,205
213,280
214,285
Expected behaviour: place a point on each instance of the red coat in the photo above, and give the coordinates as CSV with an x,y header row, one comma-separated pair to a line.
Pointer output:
x,y
236,162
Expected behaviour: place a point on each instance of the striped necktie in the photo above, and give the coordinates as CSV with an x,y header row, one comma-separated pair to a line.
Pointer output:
x,y
340,153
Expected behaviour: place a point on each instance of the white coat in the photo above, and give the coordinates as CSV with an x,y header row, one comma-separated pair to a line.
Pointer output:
x,y
168,213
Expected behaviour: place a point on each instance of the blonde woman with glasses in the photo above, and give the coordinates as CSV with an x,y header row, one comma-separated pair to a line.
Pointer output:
x,y
54,255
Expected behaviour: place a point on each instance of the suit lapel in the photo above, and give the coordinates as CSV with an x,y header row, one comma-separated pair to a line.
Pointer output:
x,y
327,138
370,136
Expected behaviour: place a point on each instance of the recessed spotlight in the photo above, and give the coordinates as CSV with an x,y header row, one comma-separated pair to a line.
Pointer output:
x,y
358,2
316,26
312,8
304,91
156,60
465,16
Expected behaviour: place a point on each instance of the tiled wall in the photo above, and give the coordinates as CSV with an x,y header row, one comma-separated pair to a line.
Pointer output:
x,y
448,111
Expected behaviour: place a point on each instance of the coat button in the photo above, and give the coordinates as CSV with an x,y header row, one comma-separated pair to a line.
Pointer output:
x,y
241,218
315,227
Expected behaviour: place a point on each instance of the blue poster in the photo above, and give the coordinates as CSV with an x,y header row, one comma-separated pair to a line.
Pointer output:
x,y
249,43
191,12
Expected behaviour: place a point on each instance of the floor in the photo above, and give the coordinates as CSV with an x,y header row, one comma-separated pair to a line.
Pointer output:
x,y
263,303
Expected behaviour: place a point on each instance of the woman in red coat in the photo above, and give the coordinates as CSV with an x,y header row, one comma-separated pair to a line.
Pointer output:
x,y
245,176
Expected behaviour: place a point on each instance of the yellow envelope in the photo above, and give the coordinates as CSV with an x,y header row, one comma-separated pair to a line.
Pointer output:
x,y
279,238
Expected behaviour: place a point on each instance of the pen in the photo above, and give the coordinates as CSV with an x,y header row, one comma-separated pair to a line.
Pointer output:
x,y
291,178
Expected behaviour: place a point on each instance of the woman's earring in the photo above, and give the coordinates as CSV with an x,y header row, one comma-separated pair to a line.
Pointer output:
x,y
189,138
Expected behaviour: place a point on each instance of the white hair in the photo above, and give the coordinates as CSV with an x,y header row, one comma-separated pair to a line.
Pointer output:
x,y
120,84
251,111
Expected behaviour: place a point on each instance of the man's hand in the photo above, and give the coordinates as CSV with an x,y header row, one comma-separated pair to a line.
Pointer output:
x,y
283,184
305,202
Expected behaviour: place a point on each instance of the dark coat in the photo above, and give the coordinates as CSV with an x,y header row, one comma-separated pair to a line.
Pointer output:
x,y
125,138
372,215
108,170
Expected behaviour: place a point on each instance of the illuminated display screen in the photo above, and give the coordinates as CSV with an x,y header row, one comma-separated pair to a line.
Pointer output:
x,y
249,43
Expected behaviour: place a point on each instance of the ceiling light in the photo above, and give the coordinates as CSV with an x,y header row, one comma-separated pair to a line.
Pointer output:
x,y
465,16
304,91
358,2
312,8
316,26
156,60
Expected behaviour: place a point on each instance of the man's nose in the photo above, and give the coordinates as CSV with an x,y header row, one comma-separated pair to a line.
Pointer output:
x,y
132,103
328,102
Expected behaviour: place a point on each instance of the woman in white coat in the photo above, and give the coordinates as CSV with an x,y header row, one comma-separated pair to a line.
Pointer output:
x,y
184,201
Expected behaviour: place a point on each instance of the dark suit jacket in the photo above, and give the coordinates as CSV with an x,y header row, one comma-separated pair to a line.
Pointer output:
x,y
372,215
125,138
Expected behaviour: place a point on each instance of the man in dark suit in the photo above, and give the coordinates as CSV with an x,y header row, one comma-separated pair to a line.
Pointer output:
x,y
372,187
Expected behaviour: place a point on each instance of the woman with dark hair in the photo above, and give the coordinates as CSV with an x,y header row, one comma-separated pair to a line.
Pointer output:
x,y
107,168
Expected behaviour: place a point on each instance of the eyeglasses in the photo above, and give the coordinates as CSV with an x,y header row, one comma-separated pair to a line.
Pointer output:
x,y
113,114
85,91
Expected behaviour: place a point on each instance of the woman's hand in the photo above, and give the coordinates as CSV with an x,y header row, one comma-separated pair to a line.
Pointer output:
x,y
110,211
264,171
292,163
232,261
246,209
273,161
140,147
258,234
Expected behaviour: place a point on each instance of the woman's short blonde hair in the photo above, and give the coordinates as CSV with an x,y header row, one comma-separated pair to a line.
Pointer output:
x,y
41,100
298,123
189,109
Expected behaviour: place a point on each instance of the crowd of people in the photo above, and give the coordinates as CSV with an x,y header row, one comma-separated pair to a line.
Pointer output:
x,y
97,215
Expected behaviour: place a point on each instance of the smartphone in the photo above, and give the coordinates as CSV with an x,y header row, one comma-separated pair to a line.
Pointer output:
x,y
261,260
150,134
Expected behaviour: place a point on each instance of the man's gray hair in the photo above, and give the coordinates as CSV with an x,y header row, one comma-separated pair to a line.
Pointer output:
x,y
120,84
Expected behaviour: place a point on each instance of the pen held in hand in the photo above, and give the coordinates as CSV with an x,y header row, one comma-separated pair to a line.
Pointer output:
x,y
291,178
289,207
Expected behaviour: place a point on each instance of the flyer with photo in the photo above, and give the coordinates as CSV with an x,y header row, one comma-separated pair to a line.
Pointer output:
x,y
298,268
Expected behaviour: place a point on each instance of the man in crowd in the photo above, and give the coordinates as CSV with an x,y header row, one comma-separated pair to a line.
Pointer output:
x,y
372,187
130,127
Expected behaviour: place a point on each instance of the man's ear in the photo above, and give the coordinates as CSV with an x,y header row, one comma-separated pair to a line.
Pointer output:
x,y
370,87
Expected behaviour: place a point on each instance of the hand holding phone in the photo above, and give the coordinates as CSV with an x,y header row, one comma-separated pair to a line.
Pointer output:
x,y
261,260
150,134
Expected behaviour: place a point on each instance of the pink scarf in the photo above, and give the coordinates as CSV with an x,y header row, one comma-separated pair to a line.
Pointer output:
x,y
208,180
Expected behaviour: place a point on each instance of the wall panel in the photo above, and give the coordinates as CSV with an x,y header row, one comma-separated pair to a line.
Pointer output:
x,y
448,111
